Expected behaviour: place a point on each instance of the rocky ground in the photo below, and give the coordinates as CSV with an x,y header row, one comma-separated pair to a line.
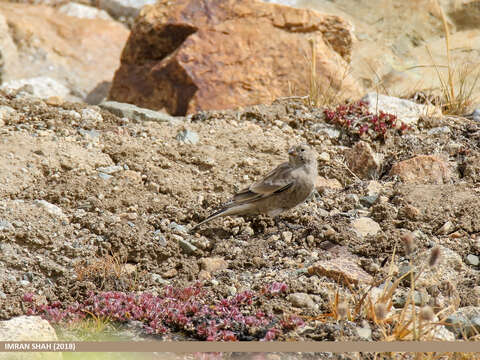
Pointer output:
x,y
91,201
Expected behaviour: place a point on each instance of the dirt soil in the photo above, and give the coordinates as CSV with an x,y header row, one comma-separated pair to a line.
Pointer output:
x,y
123,232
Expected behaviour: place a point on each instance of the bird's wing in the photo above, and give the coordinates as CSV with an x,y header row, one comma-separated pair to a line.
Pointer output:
x,y
276,181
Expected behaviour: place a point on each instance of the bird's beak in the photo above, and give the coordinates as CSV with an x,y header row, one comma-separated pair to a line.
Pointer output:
x,y
292,152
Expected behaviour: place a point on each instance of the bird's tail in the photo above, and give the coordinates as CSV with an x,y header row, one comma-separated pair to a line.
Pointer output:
x,y
228,210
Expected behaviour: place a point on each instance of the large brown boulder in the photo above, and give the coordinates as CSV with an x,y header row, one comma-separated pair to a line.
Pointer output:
x,y
40,41
186,56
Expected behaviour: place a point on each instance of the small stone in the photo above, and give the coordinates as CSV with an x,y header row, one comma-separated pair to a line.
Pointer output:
x,y
213,264
410,212
153,187
24,283
341,268
364,333
464,321
407,111
83,11
160,238
188,137
42,87
439,131
50,208
91,116
104,176
177,228
301,300
6,225
247,230
322,183
369,200
110,169
132,112
365,226
446,228
374,188
232,290
424,169
6,114
170,273
123,8
287,236
156,278
476,115
472,260
324,156
3,295
204,275
187,247
363,161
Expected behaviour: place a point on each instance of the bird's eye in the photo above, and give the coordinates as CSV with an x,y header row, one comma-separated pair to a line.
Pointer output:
x,y
302,150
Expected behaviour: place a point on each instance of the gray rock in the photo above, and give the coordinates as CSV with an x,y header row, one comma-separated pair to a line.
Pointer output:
x,y
160,238
365,226
42,87
177,228
83,11
6,225
187,247
472,260
104,176
3,295
365,333
327,130
439,130
407,111
94,134
369,200
301,300
91,115
187,137
7,113
110,169
126,8
136,113
465,320
476,115
156,278
50,208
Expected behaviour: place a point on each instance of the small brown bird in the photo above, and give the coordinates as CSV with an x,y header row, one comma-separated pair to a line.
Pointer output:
x,y
283,188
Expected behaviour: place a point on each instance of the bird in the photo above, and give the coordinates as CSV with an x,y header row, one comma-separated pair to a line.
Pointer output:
x,y
283,188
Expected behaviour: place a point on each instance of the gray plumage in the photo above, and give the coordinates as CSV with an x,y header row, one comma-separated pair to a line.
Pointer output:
x,y
283,188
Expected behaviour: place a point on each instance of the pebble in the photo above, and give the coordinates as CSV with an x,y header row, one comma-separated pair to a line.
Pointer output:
x,y
5,225
186,246
110,169
247,230
188,137
476,115
213,264
365,226
177,228
287,236
365,333
3,295
160,238
158,279
472,260
50,208
132,112
91,115
301,300
104,176
439,130
368,200
447,228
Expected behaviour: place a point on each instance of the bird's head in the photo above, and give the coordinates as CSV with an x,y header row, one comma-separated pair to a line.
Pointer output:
x,y
302,155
